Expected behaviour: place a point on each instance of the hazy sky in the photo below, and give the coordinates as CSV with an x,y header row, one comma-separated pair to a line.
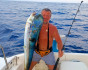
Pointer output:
x,y
66,1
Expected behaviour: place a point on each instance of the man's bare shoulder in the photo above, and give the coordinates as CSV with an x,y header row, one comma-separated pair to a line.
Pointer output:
x,y
52,26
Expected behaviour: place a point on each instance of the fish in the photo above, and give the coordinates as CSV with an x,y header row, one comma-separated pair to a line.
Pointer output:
x,y
31,33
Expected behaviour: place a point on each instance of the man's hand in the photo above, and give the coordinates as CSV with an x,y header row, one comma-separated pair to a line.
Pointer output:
x,y
60,53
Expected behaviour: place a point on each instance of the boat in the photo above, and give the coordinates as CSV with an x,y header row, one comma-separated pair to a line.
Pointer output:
x,y
69,61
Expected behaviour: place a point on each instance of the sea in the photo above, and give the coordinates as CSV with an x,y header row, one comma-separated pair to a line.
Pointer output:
x,y
13,16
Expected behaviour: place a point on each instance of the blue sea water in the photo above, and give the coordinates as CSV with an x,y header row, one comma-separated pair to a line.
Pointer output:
x,y
13,16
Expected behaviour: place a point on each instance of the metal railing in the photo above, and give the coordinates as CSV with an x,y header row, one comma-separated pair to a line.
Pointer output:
x,y
4,56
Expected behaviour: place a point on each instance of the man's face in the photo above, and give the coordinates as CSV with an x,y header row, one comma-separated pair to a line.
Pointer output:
x,y
46,16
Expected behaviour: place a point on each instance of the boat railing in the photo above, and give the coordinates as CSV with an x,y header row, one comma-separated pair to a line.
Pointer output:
x,y
4,56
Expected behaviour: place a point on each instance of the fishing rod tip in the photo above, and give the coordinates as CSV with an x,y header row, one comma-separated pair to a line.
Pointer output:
x,y
81,1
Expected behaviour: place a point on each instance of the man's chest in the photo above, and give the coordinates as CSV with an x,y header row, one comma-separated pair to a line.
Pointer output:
x,y
44,33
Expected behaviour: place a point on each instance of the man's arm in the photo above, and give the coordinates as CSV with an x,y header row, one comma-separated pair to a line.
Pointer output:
x,y
59,42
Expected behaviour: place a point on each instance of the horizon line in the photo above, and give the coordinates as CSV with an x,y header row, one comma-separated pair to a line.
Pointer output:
x,y
46,1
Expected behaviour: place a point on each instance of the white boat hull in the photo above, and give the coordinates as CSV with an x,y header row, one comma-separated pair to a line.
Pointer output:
x,y
17,61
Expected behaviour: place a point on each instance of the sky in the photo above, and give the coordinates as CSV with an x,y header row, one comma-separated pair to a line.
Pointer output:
x,y
62,1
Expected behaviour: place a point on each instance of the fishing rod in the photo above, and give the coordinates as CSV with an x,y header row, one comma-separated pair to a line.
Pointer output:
x,y
67,36
71,25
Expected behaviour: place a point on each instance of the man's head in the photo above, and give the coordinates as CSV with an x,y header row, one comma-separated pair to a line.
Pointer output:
x,y
46,13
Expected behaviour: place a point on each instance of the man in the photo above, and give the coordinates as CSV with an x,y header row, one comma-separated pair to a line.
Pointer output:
x,y
44,44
